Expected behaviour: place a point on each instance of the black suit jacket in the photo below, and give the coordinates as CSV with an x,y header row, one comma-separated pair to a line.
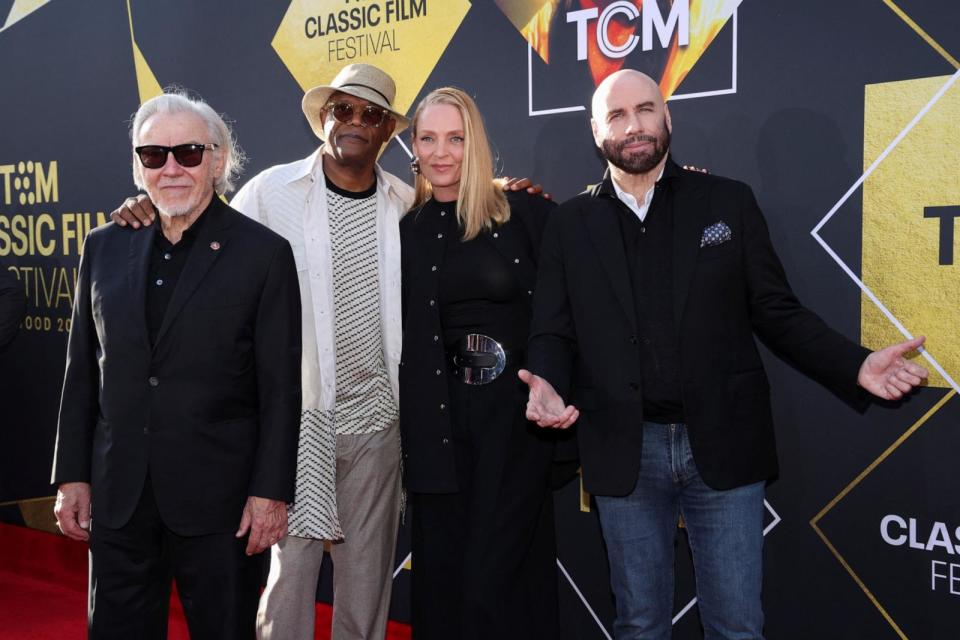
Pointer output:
x,y
211,411
584,336
13,304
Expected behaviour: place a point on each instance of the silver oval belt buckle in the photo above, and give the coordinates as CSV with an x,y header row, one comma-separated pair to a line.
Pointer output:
x,y
479,359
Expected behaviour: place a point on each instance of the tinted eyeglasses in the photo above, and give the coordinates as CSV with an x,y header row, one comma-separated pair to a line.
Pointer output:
x,y
370,116
154,156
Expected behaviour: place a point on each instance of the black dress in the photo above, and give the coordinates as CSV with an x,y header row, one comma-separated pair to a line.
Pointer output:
x,y
477,472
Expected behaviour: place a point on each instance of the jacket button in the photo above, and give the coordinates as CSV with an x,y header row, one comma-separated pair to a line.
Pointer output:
x,y
446,441
433,302
146,430
439,372
435,338
634,386
496,235
153,381
433,268
442,406
516,261
439,235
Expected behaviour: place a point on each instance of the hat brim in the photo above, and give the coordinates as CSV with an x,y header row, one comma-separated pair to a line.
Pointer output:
x,y
315,99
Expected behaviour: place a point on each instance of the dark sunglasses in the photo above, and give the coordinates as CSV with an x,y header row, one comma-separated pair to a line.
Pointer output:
x,y
154,156
370,116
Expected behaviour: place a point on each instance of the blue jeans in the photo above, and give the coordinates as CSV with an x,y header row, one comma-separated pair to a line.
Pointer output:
x,y
725,529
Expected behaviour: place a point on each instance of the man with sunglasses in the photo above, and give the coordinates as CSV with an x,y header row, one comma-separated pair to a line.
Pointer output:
x,y
181,399
340,211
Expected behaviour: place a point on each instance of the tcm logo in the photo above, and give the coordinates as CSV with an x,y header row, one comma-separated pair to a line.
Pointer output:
x,y
27,183
648,18
663,38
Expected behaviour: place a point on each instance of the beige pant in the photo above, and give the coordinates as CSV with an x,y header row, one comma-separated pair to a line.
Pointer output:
x,y
368,504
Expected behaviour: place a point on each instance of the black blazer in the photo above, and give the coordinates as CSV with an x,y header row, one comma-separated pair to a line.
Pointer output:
x,y
13,304
584,336
428,464
212,410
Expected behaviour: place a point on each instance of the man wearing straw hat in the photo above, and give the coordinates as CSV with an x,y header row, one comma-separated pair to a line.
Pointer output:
x,y
340,212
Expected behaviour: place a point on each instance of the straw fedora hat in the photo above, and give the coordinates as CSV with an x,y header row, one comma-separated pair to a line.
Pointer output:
x,y
361,81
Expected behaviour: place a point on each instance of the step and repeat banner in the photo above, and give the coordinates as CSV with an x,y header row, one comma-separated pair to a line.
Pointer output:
x,y
843,116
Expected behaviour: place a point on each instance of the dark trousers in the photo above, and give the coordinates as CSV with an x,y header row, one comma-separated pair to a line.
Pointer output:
x,y
131,570
484,558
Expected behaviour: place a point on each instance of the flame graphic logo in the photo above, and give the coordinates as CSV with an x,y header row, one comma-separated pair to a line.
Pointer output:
x,y
536,20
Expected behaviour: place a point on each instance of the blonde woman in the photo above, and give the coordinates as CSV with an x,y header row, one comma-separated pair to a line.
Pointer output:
x,y
477,472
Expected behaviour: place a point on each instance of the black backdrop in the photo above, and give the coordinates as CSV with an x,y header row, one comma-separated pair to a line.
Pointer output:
x,y
793,112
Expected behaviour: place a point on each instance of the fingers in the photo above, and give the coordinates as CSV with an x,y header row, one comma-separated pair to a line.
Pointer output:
x,y
526,376
143,210
83,516
916,370
67,523
135,212
892,392
72,510
518,184
268,524
909,345
570,416
244,522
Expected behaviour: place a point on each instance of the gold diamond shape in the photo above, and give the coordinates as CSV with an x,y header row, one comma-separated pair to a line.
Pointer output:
x,y
405,38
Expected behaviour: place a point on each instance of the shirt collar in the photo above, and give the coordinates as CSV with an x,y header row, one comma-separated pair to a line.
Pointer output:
x,y
669,171
312,167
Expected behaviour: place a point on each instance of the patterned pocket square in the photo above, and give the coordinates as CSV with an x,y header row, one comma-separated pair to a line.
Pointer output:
x,y
715,234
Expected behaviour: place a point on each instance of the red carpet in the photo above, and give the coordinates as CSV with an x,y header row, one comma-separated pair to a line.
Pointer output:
x,y
43,590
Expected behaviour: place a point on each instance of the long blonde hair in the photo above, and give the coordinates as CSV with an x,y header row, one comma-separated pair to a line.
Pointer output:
x,y
480,202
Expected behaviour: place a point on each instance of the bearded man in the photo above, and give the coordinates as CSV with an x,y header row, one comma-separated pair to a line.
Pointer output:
x,y
651,288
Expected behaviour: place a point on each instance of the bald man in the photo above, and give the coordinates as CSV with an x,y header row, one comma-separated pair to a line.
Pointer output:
x,y
652,286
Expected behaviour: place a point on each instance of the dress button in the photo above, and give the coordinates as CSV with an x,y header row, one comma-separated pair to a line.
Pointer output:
x,y
153,381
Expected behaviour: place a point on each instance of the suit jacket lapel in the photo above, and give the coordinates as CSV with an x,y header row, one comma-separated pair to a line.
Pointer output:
x,y
689,207
138,260
201,258
604,230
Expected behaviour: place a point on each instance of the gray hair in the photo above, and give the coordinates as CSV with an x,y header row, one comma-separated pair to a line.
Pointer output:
x,y
175,100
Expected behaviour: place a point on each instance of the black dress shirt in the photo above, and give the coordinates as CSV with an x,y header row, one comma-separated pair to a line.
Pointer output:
x,y
649,248
166,264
